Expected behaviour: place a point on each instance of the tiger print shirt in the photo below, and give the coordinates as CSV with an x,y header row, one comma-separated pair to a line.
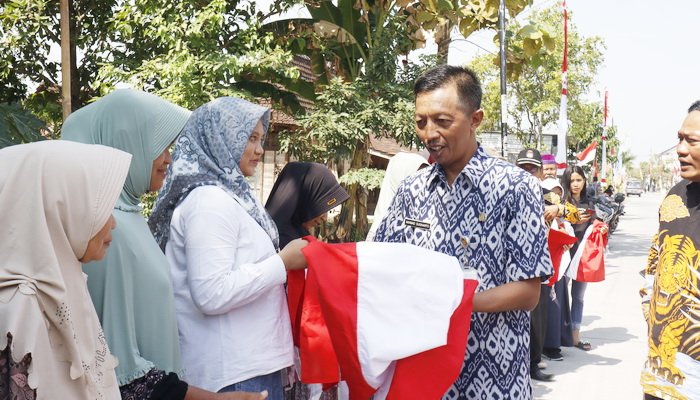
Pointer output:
x,y
671,298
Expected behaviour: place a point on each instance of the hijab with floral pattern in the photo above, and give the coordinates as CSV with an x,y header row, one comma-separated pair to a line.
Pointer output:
x,y
208,152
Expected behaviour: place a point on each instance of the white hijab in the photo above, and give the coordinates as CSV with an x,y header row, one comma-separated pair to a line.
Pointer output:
x,y
54,197
400,166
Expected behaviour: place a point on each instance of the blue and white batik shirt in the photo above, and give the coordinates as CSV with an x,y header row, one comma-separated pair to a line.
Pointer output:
x,y
491,219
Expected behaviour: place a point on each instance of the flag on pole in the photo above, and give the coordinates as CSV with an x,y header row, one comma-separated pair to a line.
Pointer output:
x,y
588,154
563,122
392,341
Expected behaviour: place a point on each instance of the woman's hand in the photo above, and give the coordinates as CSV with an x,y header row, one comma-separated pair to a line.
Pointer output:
x,y
291,254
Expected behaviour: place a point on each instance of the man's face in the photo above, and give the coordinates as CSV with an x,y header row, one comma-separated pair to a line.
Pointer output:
x,y
688,148
549,170
533,169
446,127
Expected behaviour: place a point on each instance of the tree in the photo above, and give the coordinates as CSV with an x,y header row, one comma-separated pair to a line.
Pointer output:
x,y
29,29
534,97
187,51
343,117
360,41
18,126
191,52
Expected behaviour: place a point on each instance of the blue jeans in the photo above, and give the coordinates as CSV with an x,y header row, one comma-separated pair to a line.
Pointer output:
x,y
578,289
271,382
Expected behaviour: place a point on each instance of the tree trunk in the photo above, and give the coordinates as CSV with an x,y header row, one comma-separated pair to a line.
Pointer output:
x,y
354,211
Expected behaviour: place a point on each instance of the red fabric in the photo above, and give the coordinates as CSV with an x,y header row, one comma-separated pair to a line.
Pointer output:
x,y
320,364
296,283
591,268
329,322
556,241
429,374
339,284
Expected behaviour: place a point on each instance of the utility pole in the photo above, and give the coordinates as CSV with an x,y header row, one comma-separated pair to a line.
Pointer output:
x,y
66,60
504,105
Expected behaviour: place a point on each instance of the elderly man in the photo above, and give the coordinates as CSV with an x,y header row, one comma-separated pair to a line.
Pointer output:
x,y
489,215
671,297
549,166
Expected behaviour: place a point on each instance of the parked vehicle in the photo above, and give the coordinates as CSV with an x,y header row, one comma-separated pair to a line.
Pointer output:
x,y
609,210
634,188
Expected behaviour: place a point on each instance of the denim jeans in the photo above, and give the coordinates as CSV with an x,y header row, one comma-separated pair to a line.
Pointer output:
x,y
578,289
271,382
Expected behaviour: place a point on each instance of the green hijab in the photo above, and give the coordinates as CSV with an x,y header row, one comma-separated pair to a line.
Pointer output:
x,y
131,287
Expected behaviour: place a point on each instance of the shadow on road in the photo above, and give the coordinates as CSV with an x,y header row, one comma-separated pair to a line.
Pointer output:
x,y
628,245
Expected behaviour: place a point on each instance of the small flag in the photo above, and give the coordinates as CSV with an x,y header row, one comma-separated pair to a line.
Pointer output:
x,y
588,154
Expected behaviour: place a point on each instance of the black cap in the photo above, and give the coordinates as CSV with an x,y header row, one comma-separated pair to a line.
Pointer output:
x,y
529,156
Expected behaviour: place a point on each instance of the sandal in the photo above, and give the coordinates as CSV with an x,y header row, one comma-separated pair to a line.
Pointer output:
x,y
585,346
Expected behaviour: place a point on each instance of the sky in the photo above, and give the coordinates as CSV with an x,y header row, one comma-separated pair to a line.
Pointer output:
x,y
651,68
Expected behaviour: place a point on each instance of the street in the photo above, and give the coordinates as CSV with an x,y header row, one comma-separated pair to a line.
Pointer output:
x,y
612,318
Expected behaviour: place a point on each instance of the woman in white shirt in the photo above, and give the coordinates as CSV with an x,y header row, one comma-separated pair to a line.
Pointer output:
x,y
222,247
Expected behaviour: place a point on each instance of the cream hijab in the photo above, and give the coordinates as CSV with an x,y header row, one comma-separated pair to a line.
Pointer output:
x,y
54,197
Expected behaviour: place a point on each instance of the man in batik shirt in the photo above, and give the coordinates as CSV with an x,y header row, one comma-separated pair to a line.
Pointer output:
x,y
487,213
671,297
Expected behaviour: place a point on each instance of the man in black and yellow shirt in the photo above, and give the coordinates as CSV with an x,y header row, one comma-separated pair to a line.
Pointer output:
x,y
671,296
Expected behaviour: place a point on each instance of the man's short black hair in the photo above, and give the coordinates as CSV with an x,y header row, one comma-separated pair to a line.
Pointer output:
x,y
464,79
694,107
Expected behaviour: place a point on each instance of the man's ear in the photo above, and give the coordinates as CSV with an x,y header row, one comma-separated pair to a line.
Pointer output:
x,y
477,117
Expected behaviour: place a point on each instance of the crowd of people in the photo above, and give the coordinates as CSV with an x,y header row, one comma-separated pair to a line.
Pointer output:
x,y
100,303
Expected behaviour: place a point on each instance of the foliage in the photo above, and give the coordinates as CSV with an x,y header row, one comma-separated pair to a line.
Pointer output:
x,y
18,125
534,97
344,115
191,52
188,51
370,178
29,30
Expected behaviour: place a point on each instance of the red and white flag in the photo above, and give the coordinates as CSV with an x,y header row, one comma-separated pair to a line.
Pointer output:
x,y
393,318
588,263
588,154
558,242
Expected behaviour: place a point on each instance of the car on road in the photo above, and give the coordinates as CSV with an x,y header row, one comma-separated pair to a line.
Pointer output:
x,y
634,188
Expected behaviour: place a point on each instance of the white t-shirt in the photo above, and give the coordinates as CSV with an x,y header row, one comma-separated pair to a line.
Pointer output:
x,y
229,292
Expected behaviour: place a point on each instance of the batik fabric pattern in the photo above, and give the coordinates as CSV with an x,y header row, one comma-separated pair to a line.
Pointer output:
x,y
491,219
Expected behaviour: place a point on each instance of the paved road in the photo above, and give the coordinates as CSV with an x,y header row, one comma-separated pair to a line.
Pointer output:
x,y
612,318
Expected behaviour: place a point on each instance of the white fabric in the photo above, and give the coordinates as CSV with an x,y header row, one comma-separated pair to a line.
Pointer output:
x,y
54,197
430,290
400,166
229,294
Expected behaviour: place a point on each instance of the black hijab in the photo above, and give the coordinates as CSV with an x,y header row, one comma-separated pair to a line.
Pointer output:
x,y
302,192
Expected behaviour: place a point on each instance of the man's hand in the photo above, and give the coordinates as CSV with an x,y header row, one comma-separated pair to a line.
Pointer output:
x,y
550,212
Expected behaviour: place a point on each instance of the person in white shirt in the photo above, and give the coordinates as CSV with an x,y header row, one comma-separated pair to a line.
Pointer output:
x,y
222,245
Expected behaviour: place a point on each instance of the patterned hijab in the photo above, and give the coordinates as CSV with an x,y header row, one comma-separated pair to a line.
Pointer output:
x,y
54,197
208,153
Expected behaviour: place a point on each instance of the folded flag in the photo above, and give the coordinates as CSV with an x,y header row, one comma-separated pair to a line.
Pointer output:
x,y
390,319
556,240
588,263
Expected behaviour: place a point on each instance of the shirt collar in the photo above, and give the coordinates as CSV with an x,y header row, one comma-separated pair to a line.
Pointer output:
x,y
473,171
